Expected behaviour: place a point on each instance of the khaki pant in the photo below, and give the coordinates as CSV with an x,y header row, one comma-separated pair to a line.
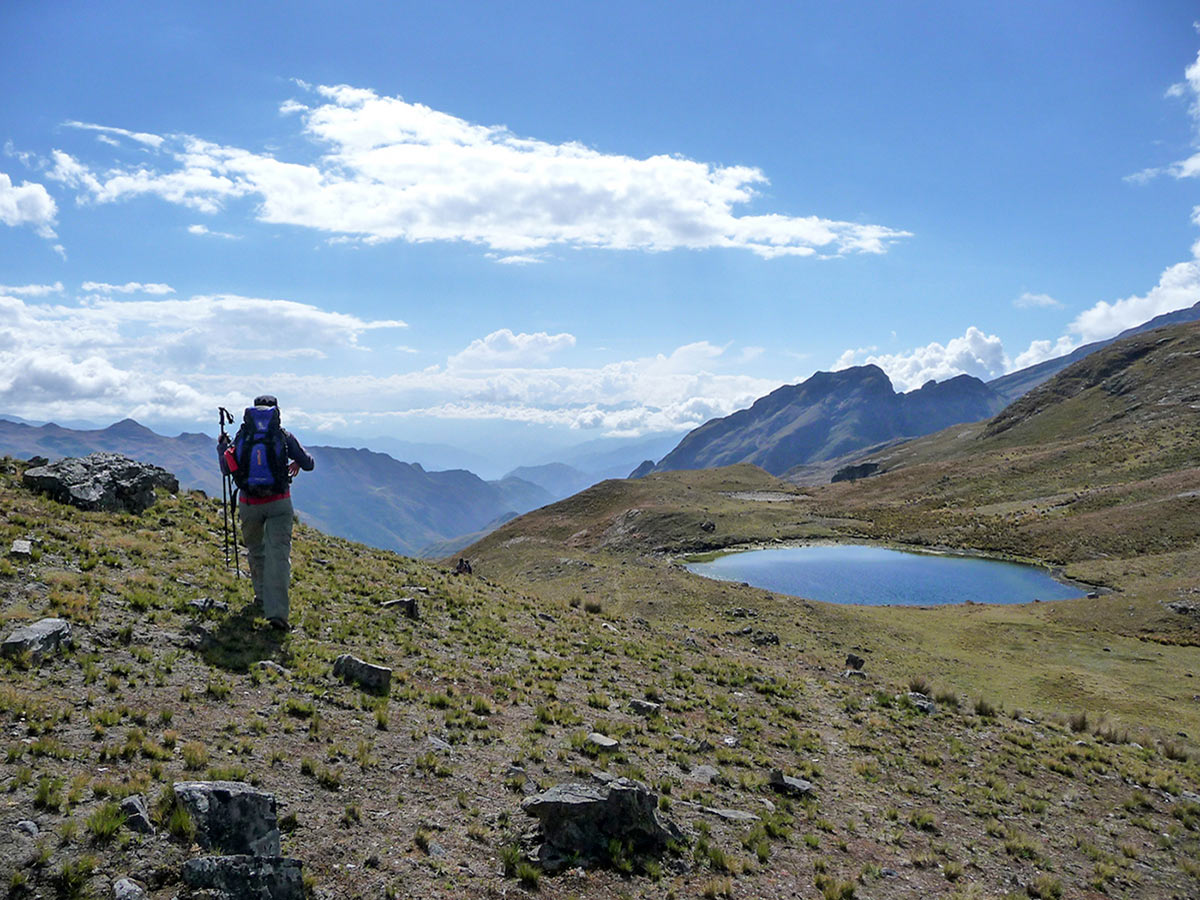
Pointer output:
x,y
267,533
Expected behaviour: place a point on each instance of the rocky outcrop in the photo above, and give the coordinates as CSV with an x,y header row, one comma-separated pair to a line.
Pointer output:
x,y
853,473
137,816
377,679
793,787
579,820
101,481
39,640
643,469
246,877
231,816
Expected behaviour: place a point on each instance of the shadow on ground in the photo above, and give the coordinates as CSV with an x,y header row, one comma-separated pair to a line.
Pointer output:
x,y
242,639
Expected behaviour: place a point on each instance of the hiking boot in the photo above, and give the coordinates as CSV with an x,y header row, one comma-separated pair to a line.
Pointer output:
x,y
279,624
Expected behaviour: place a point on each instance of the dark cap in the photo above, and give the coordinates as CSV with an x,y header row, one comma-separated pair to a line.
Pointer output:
x,y
265,400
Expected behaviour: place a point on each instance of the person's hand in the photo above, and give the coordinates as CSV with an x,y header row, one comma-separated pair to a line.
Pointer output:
x,y
223,441
293,469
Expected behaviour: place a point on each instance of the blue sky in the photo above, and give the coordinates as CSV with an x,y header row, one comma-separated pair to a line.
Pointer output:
x,y
527,225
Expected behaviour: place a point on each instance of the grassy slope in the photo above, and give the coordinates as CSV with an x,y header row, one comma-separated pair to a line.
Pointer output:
x,y
156,691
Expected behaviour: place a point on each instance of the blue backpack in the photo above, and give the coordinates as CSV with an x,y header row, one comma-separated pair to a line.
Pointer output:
x,y
261,453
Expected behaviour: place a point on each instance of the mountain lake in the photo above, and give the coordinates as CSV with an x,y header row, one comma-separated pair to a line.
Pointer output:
x,y
877,576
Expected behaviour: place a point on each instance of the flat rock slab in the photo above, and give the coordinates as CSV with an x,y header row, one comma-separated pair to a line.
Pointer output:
x,y
922,702
366,675
101,481
246,877
602,741
730,815
703,774
231,816
579,820
39,640
21,548
793,787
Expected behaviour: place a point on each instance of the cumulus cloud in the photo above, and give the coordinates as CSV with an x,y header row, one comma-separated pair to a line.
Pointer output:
x,y
975,353
28,203
109,356
1029,301
1177,288
395,170
503,348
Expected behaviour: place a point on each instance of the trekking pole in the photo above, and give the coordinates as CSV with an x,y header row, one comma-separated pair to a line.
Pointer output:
x,y
228,497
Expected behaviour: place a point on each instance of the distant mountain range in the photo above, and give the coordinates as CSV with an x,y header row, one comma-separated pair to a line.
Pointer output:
x,y
827,416
357,494
834,415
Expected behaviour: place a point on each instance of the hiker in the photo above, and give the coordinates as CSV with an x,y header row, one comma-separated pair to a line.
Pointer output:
x,y
257,458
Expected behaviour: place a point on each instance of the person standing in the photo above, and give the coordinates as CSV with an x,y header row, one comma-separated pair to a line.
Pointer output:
x,y
263,458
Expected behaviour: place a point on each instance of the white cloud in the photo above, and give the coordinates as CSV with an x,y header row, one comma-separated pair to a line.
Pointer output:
x,y
150,140
129,287
205,230
503,348
1040,351
31,290
106,357
975,353
1177,288
27,204
395,170
1188,89
1028,301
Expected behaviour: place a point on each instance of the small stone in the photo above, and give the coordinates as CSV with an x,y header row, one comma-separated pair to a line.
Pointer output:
x,y
602,741
854,661
127,889
137,816
854,673
367,676
608,626
794,787
438,744
764,638
546,617
269,665
40,639
29,827
922,702
644,707
21,548
204,604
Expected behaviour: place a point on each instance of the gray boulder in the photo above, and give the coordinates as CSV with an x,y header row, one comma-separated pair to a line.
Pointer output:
x,y
39,640
101,481
364,674
246,877
644,707
21,548
406,605
231,816
579,820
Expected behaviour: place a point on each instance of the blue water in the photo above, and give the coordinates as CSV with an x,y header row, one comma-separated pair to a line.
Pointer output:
x,y
875,576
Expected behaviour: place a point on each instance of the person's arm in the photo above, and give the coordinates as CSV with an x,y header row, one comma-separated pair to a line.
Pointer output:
x,y
300,457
